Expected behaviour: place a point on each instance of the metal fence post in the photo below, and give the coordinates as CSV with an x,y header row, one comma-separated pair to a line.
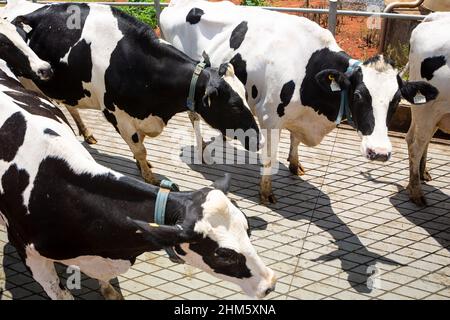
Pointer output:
x,y
332,12
158,11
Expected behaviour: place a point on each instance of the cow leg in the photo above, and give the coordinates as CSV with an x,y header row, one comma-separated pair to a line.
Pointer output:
x,y
424,174
108,291
269,157
83,130
417,139
201,145
139,152
294,166
43,271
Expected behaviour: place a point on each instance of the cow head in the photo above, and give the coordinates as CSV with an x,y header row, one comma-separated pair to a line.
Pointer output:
x,y
214,237
22,61
374,92
224,106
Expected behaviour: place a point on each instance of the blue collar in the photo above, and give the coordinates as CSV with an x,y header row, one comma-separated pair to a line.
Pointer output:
x,y
344,107
190,101
160,213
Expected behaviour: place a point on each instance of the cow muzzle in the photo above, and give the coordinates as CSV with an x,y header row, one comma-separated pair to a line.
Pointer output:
x,y
374,155
45,73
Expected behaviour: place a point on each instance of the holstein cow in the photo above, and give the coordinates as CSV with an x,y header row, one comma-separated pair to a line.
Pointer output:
x,y
59,205
296,76
429,60
105,59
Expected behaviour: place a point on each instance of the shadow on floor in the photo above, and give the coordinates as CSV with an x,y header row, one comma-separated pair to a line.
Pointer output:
x,y
356,260
423,217
20,284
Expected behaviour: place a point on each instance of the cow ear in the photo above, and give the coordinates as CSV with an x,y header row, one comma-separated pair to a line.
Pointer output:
x,y
210,92
21,20
206,59
223,184
417,92
331,80
226,69
162,235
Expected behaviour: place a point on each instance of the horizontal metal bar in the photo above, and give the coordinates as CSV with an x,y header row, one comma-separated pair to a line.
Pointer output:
x,y
350,13
280,9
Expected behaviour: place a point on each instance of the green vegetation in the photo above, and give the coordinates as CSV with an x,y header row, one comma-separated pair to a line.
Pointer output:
x,y
254,3
144,14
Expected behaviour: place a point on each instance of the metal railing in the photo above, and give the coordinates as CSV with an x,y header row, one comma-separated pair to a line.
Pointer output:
x,y
332,11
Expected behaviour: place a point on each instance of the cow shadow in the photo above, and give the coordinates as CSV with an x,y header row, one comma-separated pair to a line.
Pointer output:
x,y
19,283
423,217
356,260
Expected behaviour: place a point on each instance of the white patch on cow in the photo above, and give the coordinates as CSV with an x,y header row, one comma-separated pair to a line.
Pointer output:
x,y
226,224
3,220
308,125
102,48
96,267
162,41
4,67
37,146
43,271
381,81
152,126
15,8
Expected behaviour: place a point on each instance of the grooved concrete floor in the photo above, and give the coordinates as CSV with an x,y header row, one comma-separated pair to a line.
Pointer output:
x,y
345,230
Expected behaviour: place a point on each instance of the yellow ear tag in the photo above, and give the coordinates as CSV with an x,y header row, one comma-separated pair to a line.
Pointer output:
x,y
155,225
334,86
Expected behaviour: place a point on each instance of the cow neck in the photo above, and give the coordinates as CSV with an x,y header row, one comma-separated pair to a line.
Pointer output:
x,y
143,202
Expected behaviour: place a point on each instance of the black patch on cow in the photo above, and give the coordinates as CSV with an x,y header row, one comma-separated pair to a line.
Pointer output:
x,y
12,136
14,182
135,138
50,132
254,92
285,95
240,68
311,94
15,59
378,58
238,35
31,101
393,104
92,209
361,105
430,65
51,39
208,248
194,15
111,119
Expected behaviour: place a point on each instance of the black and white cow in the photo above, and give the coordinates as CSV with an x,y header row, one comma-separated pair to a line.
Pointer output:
x,y
59,205
105,59
295,75
429,60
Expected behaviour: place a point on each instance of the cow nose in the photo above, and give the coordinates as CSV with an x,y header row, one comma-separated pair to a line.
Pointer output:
x,y
45,73
269,290
376,156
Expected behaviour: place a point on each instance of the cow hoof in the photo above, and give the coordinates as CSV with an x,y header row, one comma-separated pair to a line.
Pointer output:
x,y
109,293
90,139
269,198
419,201
417,197
425,176
297,170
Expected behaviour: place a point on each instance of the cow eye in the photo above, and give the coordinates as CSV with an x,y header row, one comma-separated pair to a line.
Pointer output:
x,y
358,95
